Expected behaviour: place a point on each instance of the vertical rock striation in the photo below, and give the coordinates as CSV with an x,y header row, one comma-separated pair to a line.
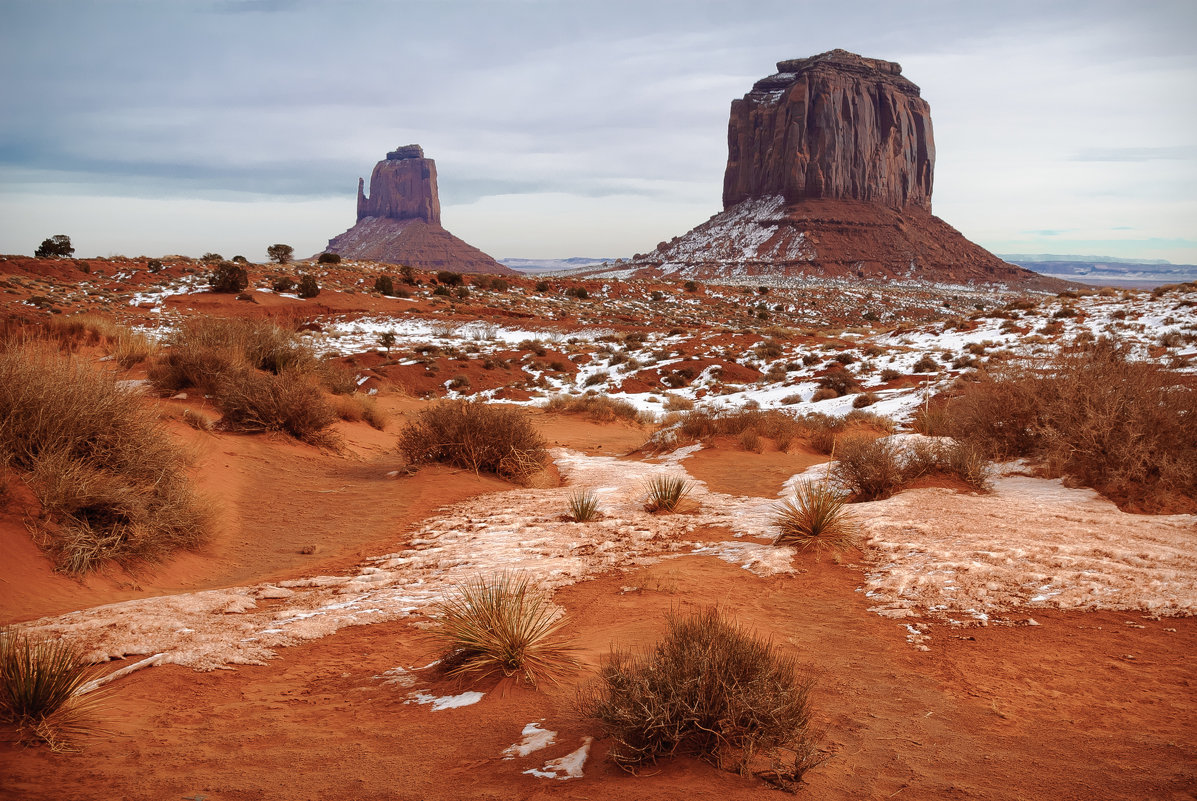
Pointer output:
x,y
835,125
402,187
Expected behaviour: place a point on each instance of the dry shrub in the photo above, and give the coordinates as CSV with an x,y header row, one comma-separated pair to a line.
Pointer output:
x,y
41,683
201,351
355,408
131,348
337,377
291,403
742,423
1124,428
709,689
599,408
98,459
677,403
126,346
477,436
869,468
502,625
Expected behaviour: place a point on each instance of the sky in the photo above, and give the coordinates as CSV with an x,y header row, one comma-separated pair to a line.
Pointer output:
x,y
564,128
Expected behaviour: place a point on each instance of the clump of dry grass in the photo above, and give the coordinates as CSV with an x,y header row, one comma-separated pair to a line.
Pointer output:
x,y
599,408
815,517
710,689
1123,427
583,506
666,493
477,436
203,350
98,459
355,408
502,625
40,689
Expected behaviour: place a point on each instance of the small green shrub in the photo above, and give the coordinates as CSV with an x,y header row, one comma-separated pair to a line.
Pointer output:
x,y
308,287
328,258
502,625
449,278
709,689
384,284
228,277
926,364
284,283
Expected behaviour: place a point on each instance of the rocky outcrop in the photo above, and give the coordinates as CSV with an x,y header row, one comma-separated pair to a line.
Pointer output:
x,y
829,173
402,187
835,125
400,221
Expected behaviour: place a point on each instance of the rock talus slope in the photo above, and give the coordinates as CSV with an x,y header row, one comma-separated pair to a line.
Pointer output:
x,y
400,221
830,169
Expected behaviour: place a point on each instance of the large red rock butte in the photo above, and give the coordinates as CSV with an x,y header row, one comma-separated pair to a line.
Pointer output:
x,y
829,173
400,222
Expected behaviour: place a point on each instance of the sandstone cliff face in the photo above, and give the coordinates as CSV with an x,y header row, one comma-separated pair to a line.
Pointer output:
x,y
829,173
400,222
835,125
402,187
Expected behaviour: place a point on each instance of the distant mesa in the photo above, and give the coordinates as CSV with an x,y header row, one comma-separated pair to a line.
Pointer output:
x,y
829,172
400,222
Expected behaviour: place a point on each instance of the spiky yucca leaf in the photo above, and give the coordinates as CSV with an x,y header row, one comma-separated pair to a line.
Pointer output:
x,y
502,624
40,689
816,516
583,506
666,493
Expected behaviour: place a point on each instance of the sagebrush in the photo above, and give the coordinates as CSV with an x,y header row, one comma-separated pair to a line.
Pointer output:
x,y
477,436
709,689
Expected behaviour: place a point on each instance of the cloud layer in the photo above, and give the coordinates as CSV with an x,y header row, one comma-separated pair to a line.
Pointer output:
x,y
562,128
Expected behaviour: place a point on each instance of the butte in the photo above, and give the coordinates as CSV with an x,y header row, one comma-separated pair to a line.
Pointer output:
x,y
829,173
400,222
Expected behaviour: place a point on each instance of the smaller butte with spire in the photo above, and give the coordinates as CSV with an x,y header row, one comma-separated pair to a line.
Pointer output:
x,y
400,221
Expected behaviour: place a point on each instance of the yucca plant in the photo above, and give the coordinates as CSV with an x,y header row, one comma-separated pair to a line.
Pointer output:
x,y
666,493
583,506
40,689
816,516
502,624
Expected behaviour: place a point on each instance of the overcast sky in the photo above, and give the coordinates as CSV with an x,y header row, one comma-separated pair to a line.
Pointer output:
x,y
565,128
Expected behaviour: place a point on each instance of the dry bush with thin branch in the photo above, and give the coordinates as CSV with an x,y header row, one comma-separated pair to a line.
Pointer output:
x,y
710,689
1123,427
250,400
477,436
502,624
815,517
870,468
41,683
98,459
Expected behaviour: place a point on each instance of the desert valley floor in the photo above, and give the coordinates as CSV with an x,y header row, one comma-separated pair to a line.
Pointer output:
x,y
1033,641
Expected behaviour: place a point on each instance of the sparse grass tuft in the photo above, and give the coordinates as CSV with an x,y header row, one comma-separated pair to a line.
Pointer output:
x,y
97,458
583,506
503,625
666,493
40,689
815,517
710,689
477,436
